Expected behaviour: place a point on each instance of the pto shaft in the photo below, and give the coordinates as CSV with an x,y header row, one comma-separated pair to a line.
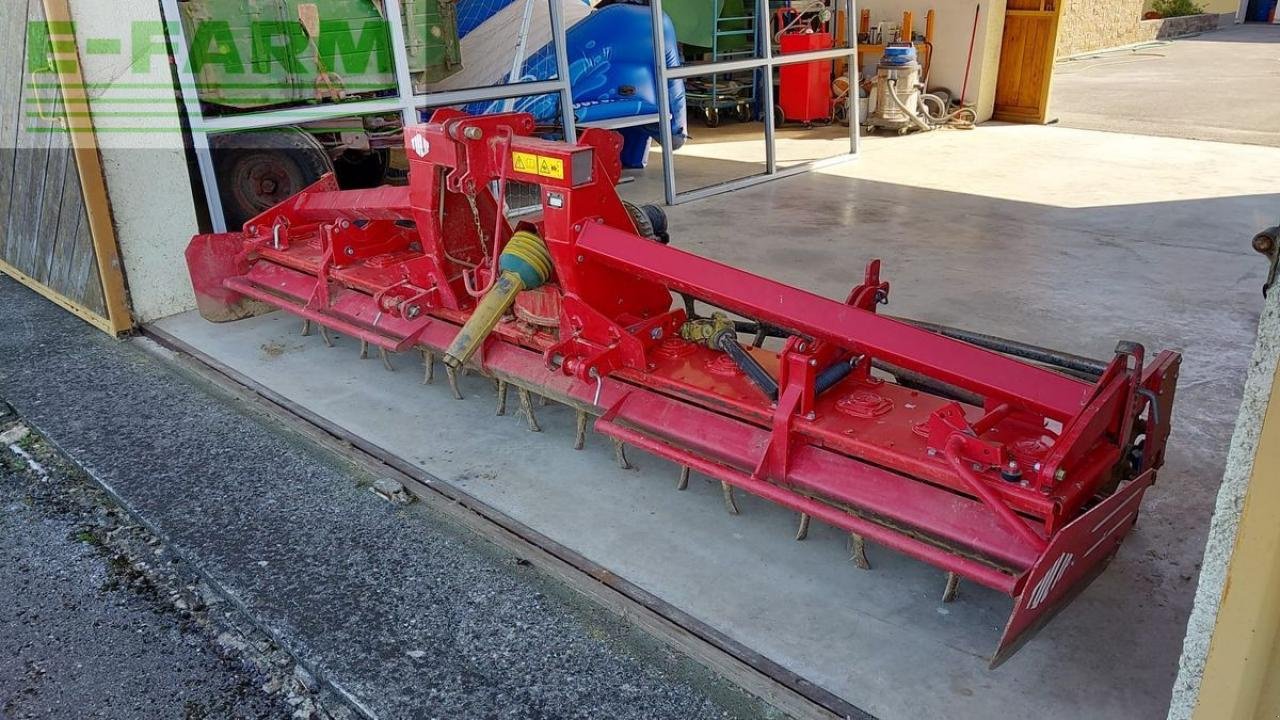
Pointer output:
x,y
524,265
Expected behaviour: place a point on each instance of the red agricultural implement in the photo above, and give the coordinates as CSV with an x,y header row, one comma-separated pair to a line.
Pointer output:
x,y
1007,465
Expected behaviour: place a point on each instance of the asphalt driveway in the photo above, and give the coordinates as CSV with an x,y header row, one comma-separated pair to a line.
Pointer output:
x,y
1222,85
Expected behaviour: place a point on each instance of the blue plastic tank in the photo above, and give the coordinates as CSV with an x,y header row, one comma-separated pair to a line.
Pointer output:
x,y
898,55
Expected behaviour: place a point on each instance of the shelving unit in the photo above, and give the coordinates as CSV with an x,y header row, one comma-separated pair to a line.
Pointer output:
x,y
925,47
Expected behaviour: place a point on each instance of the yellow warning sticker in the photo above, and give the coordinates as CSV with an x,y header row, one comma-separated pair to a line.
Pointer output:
x,y
525,162
551,167
538,165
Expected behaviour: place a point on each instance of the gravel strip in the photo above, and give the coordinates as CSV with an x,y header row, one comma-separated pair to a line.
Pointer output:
x,y
102,621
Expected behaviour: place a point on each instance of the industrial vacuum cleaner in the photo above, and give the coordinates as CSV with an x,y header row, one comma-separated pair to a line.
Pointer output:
x,y
1002,464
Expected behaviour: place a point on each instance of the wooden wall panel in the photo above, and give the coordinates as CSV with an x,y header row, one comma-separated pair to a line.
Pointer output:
x,y
46,237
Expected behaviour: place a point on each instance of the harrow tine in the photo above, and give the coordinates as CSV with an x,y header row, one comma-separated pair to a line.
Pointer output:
x,y
526,404
428,367
502,398
620,454
364,349
683,482
543,400
952,589
858,551
386,359
324,334
729,503
580,438
802,532
306,327
452,374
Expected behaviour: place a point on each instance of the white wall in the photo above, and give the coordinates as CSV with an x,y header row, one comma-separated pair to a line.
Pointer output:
x,y
142,153
953,26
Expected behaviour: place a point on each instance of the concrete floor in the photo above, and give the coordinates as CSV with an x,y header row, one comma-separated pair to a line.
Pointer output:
x,y
1216,86
734,150
1062,237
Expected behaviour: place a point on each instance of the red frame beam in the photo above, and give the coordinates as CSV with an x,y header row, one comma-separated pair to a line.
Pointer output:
x,y
981,371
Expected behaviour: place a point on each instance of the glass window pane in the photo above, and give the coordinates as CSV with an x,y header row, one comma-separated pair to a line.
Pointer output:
x,y
714,30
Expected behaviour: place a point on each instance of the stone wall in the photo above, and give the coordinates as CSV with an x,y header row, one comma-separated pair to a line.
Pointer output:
x,y
1089,25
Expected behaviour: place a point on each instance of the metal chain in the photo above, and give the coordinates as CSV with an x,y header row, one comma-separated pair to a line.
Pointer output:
x,y
475,216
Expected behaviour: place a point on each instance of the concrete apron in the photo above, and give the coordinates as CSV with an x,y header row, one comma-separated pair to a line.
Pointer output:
x,y
880,639
1060,237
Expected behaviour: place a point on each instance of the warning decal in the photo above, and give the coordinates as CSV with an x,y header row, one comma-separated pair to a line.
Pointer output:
x,y
538,165
551,167
525,162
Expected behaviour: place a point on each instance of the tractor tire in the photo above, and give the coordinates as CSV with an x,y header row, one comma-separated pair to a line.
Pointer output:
x,y
650,222
259,169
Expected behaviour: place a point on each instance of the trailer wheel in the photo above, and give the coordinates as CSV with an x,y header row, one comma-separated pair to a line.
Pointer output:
x,y
259,169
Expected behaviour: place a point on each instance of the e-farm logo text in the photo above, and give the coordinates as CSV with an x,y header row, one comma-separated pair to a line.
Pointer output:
x,y
260,47
242,66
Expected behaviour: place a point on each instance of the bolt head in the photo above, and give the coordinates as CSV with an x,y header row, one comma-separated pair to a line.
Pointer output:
x,y
1060,475
349,250
473,133
412,312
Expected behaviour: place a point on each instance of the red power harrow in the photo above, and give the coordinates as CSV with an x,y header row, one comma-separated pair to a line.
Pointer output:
x,y
1007,465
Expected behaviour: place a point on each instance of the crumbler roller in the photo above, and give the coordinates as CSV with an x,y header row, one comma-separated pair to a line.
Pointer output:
x,y
999,463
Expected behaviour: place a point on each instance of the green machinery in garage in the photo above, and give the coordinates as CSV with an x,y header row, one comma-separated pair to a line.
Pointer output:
x,y
255,55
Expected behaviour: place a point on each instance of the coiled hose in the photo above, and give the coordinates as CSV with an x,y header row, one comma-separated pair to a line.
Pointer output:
x,y
926,120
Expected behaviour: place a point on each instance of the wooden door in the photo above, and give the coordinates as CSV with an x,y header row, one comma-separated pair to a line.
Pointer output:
x,y
55,226
1026,60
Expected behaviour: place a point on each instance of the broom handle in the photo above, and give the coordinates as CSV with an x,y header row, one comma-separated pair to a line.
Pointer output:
x,y
964,89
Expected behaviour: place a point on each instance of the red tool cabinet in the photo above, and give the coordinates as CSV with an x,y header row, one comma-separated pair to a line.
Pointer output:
x,y
804,89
